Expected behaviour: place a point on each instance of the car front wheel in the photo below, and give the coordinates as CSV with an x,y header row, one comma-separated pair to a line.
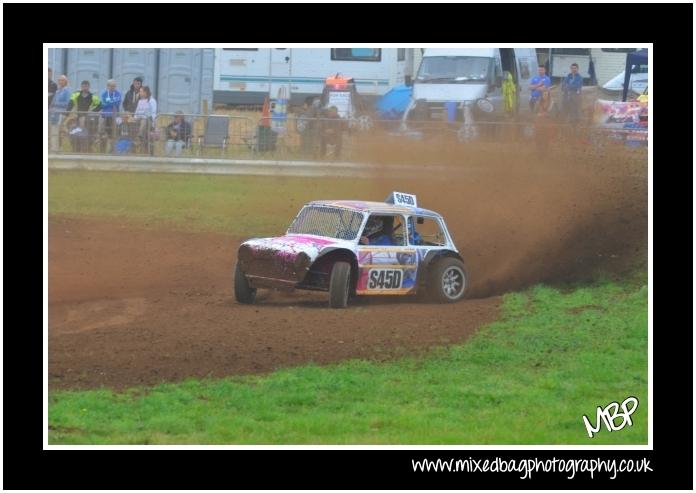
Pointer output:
x,y
339,285
242,291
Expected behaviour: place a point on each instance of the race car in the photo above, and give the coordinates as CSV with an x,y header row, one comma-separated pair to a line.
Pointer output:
x,y
356,248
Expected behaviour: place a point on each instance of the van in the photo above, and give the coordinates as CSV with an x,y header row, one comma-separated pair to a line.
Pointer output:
x,y
469,79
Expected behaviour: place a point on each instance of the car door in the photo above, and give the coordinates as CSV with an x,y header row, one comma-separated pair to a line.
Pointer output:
x,y
388,269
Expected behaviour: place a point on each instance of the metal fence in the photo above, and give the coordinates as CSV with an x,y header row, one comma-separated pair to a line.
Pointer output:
x,y
298,137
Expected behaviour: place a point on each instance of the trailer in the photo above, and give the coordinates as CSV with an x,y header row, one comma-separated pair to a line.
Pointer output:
x,y
245,76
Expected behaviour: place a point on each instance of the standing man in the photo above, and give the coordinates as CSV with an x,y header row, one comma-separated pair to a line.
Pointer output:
x,y
130,101
84,102
332,128
536,84
307,124
572,89
52,87
56,111
110,105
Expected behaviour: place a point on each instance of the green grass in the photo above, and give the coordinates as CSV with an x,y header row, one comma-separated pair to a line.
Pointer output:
x,y
527,379
238,205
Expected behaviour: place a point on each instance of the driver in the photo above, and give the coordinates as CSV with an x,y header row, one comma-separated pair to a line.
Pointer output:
x,y
374,233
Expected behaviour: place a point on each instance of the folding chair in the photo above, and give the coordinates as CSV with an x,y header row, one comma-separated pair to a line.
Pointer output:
x,y
216,133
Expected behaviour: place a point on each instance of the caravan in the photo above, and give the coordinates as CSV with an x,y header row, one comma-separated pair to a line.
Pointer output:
x,y
245,76
467,83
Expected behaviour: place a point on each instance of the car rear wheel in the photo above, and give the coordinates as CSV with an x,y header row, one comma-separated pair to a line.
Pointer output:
x,y
449,280
339,285
242,291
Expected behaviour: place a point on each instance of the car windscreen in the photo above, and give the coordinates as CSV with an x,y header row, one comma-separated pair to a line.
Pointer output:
x,y
453,69
332,222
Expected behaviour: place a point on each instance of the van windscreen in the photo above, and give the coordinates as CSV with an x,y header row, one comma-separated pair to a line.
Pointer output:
x,y
453,69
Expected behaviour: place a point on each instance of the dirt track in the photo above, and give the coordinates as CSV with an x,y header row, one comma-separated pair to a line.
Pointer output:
x,y
132,305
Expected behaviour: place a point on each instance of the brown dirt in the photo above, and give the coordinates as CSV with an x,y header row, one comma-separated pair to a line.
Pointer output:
x,y
137,306
519,218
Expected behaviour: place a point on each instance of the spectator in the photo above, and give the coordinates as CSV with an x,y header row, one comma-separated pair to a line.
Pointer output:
x,y
509,93
130,101
332,128
52,87
111,103
84,102
178,134
145,114
56,112
572,89
308,124
536,84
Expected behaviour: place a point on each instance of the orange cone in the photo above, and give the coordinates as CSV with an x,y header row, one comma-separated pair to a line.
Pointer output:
x,y
266,114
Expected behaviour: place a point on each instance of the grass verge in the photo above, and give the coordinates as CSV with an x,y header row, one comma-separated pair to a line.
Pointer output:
x,y
555,355
238,205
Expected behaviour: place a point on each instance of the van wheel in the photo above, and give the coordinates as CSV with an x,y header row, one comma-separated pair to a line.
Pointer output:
x,y
242,291
339,285
449,281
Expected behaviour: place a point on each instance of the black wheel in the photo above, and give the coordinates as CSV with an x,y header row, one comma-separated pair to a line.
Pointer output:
x,y
339,285
448,281
242,291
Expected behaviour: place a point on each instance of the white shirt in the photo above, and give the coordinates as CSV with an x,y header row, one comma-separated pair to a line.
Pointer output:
x,y
146,108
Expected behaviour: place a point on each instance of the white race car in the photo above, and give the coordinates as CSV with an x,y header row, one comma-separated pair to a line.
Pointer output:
x,y
352,247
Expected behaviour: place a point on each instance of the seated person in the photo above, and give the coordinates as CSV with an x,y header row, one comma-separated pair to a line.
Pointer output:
x,y
375,233
178,135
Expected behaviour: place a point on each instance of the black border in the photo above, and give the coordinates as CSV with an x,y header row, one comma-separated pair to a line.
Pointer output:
x,y
26,465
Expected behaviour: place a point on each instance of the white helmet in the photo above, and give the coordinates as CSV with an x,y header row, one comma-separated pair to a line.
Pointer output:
x,y
374,225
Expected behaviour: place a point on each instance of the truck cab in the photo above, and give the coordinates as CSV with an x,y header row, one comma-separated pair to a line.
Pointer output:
x,y
465,84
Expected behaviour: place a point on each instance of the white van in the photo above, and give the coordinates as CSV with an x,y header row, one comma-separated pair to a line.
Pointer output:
x,y
245,76
471,78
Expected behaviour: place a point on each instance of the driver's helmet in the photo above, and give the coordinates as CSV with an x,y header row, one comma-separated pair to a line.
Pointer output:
x,y
374,225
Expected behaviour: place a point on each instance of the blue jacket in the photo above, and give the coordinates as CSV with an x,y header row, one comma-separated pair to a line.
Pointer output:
x,y
59,104
572,84
381,240
111,102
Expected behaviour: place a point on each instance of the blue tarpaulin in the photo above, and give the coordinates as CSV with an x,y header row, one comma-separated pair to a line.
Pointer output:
x,y
639,57
393,104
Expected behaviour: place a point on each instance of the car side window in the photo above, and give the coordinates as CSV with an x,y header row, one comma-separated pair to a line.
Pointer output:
x,y
426,231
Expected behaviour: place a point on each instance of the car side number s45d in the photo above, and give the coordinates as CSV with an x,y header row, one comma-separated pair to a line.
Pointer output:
x,y
384,279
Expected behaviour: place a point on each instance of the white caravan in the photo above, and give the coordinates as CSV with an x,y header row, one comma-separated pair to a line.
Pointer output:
x,y
472,79
245,76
